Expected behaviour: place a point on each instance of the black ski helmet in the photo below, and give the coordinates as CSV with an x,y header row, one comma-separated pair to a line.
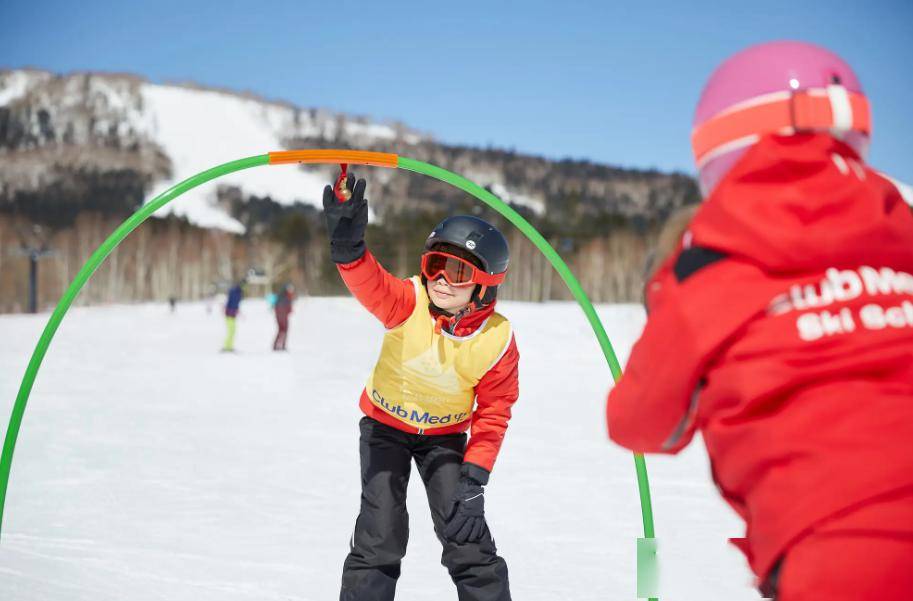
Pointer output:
x,y
480,239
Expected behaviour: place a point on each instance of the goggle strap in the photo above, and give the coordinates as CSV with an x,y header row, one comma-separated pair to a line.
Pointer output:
x,y
814,109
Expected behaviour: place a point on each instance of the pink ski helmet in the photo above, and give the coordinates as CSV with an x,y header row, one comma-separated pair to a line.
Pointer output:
x,y
775,88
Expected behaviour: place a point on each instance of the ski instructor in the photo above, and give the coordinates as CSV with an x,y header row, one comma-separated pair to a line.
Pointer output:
x,y
781,327
448,364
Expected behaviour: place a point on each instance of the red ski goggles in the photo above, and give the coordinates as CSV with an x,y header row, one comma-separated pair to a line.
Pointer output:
x,y
456,270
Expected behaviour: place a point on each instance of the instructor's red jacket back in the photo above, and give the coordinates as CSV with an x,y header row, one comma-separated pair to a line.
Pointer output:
x,y
782,328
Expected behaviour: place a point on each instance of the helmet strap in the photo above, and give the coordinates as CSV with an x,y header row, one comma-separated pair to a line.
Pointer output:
x,y
478,296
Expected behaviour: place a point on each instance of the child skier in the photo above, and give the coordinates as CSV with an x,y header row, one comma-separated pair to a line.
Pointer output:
x,y
445,347
782,327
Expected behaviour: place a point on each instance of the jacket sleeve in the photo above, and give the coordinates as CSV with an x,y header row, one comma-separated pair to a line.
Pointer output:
x,y
650,409
697,303
496,393
388,298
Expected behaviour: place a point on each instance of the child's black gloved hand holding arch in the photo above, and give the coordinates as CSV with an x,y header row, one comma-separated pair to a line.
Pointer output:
x,y
346,221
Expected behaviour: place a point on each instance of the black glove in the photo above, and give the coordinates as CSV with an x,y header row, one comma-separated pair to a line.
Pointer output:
x,y
346,221
467,518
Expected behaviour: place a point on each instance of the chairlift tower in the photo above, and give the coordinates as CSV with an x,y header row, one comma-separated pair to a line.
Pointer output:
x,y
35,247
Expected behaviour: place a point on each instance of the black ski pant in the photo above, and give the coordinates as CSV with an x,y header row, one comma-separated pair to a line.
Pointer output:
x,y
382,529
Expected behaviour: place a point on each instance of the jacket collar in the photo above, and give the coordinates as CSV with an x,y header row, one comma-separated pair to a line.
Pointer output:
x,y
463,323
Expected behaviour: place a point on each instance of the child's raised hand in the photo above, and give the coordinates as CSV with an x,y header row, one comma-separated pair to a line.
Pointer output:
x,y
346,221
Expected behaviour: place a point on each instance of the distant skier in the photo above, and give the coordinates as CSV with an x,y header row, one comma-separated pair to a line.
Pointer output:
x,y
445,351
282,307
781,326
232,307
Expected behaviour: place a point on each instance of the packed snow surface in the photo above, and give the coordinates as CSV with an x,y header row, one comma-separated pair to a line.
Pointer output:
x,y
150,466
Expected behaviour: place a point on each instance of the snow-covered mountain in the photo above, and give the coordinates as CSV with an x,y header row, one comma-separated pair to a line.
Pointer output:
x,y
193,128
95,141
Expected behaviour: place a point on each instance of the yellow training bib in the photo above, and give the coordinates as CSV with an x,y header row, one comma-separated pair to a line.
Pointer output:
x,y
427,379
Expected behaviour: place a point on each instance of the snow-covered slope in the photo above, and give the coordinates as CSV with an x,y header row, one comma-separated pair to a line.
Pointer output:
x,y
537,205
199,129
152,467
202,129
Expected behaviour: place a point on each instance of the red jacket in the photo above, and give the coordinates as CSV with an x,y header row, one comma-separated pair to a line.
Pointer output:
x,y
392,301
782,328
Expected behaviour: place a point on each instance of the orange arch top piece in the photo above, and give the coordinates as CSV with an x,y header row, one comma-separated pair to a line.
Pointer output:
x,y
351,157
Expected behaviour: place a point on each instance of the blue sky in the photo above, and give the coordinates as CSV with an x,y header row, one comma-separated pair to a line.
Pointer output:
x,y
607,81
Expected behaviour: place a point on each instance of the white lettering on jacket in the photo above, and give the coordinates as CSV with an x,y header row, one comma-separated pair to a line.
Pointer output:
x,y
841,286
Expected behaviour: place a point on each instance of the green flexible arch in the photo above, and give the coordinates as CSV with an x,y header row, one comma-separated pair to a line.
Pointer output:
x,y
354,157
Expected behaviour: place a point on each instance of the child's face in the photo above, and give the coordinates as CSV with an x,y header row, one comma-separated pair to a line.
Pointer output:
x,y
452,299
